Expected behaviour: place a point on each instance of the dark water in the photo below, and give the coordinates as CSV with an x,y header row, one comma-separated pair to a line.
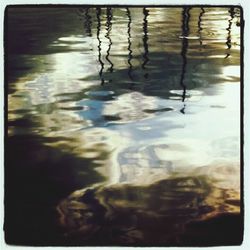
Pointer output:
x,y
123,126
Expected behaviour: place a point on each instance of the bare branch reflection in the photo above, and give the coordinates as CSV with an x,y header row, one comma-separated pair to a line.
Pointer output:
x,y
130,54
98,15
200,24
145,40
88,22
185,33
108,28
228,42
120,161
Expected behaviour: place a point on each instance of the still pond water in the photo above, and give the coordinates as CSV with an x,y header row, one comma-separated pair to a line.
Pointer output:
x,y
123,126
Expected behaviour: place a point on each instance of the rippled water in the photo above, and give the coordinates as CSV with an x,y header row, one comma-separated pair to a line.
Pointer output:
x,y
123,126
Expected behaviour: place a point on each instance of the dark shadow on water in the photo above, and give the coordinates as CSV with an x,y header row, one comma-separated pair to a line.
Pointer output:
x,y
30,30
37,177
167,213
215,230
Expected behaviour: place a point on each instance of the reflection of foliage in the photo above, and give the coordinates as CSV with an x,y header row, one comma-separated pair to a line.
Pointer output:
x,y
142,215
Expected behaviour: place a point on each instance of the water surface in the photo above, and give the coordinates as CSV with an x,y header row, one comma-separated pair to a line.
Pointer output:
x,y
123,126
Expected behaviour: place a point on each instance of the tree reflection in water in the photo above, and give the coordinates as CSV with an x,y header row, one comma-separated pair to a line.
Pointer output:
x,y
98,14
108,28
177,211
228,43
185,33
130,54
99,104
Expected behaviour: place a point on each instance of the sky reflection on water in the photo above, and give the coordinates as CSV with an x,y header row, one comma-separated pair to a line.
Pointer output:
x,y
145,94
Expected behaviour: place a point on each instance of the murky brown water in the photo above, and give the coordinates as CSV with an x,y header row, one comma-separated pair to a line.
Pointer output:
x,y
123,126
